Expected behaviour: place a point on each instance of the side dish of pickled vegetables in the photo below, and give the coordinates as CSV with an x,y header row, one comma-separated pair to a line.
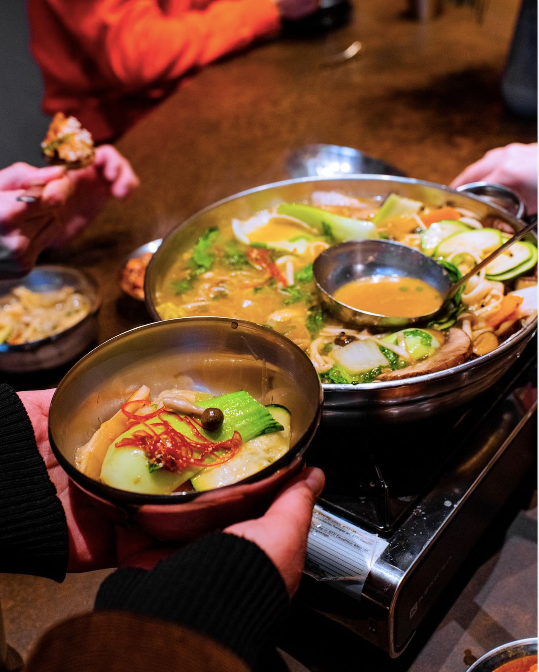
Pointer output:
x,y
185,440
260,269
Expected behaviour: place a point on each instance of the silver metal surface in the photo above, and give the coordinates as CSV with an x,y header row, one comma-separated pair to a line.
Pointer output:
x,y
150,247
436,537
494,659
60,348
334,161
358,259
211,354
497,194
396,401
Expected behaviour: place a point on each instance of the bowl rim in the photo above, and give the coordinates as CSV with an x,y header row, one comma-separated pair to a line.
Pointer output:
x,y
530,641
127,497
94,309
507,345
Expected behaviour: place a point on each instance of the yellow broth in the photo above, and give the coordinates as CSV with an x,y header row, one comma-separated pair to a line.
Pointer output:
x,y
391,296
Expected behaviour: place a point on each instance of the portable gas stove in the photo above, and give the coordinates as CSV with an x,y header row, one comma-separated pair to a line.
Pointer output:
x,y
404,505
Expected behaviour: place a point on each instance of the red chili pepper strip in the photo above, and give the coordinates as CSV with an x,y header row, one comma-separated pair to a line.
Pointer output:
x,y
262,258
171,449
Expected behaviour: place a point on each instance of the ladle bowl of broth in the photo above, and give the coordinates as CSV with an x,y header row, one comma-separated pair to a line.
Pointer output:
x,y
375,283
250,256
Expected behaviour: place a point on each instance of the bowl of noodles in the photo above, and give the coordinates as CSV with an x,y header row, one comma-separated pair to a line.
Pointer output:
x,y
250,256
134,423
47,318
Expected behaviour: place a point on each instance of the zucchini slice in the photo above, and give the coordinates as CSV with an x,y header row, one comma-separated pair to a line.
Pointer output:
x,y
480,242
430,238
518,254
253,456
522,267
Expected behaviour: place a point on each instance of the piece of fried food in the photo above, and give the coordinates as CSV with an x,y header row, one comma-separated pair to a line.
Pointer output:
x,y
67,143
132,276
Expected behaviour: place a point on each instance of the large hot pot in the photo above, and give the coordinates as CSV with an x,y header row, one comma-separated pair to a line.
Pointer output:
x,y
397,401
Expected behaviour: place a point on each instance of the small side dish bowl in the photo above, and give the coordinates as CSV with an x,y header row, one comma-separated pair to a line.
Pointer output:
x,y
133,269
65,346
509,657
210,354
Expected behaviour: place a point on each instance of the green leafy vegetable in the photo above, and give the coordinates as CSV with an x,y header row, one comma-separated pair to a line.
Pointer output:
x,y
202,257
424,337
302,236
315,320
233,256
304,274
326,348
182,286
395,362
455,307
339,375
153,466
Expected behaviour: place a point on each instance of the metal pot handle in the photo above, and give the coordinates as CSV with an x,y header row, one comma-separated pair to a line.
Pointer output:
x,y
500,195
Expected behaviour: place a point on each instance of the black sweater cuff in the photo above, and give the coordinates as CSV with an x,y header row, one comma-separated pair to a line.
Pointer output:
x,y
33,529
223,586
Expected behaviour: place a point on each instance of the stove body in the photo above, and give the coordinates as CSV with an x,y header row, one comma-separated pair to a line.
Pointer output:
x,y
399,517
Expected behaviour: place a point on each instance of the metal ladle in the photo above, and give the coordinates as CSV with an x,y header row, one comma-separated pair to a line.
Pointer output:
x,y
355,260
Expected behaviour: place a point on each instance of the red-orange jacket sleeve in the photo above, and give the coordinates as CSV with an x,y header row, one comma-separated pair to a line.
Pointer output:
x,y
134,43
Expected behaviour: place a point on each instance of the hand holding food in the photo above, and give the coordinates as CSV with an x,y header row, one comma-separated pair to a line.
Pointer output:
x,y
91,536
514,166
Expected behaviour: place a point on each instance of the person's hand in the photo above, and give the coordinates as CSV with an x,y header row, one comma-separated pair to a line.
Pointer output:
x,y
92,543
281,532
68,202
83,193
514,166
292,10
26,229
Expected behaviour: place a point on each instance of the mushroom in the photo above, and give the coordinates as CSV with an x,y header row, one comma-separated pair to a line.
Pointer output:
x,y
210,418
456,349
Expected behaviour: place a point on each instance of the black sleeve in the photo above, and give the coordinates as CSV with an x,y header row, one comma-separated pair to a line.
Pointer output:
x,y
223,586
33,527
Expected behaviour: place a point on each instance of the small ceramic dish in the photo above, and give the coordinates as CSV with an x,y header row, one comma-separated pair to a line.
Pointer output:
x,y
65,346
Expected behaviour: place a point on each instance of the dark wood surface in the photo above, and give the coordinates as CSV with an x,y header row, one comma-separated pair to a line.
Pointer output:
x,y
422,96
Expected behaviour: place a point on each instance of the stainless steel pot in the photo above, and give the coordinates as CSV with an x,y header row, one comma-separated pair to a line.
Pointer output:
x,y
397,401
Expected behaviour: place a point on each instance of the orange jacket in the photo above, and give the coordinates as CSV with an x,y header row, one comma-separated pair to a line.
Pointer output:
x,y
108,62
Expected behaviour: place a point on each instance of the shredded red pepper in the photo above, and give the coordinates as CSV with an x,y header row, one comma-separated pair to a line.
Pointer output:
x,y
261,257
172,450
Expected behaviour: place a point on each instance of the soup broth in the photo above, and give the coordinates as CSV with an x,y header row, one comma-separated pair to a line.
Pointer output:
x,y
392,296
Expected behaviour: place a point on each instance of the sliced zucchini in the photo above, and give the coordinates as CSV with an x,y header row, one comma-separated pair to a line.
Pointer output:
x,y
479,242
517,254
433,236
253,456
518,269
396,206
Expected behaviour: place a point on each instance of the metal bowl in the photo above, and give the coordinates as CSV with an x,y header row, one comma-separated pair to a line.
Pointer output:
x,y
396,401
334,161
150,247
354,260
61,348
506,653
210,353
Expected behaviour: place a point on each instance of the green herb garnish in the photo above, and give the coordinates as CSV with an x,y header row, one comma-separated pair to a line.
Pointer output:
x,y
304,274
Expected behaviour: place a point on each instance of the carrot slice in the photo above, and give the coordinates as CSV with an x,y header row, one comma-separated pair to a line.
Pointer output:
x,y
508,306
440,214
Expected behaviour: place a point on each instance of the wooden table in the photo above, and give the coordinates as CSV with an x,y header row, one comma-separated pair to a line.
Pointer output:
x,y
422,96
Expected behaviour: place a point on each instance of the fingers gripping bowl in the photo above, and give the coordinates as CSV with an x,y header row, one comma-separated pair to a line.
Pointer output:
x,y
274,229
211,356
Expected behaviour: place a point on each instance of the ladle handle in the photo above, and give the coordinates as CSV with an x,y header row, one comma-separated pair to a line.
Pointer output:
x,y
500,250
